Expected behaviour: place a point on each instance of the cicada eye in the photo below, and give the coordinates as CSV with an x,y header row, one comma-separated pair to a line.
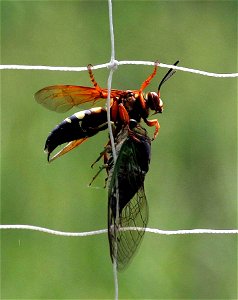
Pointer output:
x,y
154,102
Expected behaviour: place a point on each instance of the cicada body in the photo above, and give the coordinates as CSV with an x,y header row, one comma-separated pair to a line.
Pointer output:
x,y
127,204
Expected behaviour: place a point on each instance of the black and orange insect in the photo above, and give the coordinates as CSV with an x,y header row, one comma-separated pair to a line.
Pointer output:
x,y
127,205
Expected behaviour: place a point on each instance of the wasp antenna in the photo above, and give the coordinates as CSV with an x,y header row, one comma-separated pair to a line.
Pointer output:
x,y
48,156
168,75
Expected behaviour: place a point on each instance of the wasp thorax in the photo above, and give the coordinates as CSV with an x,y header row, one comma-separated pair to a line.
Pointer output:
x,y
128,100
154,102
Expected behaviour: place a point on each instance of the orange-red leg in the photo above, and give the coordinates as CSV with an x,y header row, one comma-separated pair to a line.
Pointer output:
x,y
124,117
94,82
148,80
123,114
114,110
155,123
145,84
142,100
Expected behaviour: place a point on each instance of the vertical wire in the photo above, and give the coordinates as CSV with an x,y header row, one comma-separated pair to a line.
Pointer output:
x,y
112,66
111,30
117,197
109,82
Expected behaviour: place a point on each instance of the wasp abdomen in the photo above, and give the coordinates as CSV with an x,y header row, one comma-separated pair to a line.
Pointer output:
x,y
80,125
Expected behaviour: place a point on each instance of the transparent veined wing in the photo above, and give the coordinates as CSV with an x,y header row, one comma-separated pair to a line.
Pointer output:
x,y
127,186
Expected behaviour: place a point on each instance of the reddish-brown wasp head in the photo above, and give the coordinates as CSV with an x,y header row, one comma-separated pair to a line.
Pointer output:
x,y
154,102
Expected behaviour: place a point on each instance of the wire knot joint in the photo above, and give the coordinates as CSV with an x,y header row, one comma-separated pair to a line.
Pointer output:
x,y
113,64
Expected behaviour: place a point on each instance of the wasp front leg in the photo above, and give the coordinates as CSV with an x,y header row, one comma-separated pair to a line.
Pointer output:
x,y
155,123
119,113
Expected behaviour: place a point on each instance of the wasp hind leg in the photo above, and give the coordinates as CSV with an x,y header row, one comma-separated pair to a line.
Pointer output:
x,y
94,82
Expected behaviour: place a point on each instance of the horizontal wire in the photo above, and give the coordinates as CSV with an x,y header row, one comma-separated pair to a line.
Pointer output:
x,y
51,231
110,65
96,232
115,63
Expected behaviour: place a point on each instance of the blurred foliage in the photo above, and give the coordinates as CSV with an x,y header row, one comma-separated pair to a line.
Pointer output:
x,y
193,173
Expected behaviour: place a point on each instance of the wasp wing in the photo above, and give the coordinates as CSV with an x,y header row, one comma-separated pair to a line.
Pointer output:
x,y
70,146
128,219
62,98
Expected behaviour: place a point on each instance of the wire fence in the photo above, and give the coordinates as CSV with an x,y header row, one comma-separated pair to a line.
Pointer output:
x,y
102,231
112,66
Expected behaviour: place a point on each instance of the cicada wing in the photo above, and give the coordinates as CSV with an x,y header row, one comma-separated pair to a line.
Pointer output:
x,y
127,220
126,236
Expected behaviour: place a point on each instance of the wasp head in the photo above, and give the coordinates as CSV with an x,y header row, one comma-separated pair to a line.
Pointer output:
x,y
154,102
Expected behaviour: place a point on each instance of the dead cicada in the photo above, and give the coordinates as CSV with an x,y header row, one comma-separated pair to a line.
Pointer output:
x,y
127,204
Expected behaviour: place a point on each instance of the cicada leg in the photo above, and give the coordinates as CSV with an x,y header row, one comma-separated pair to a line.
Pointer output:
x,y
103,154
96,175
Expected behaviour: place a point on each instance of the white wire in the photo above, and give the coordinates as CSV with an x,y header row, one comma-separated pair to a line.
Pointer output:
x,y
51,231
112,67
118,63
111,30
114,155
102,231
184,69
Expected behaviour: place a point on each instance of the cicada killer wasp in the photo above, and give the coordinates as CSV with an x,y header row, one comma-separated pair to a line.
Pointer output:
x,y
127,205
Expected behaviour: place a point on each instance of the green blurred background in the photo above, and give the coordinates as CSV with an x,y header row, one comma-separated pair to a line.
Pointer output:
x,y
193,172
